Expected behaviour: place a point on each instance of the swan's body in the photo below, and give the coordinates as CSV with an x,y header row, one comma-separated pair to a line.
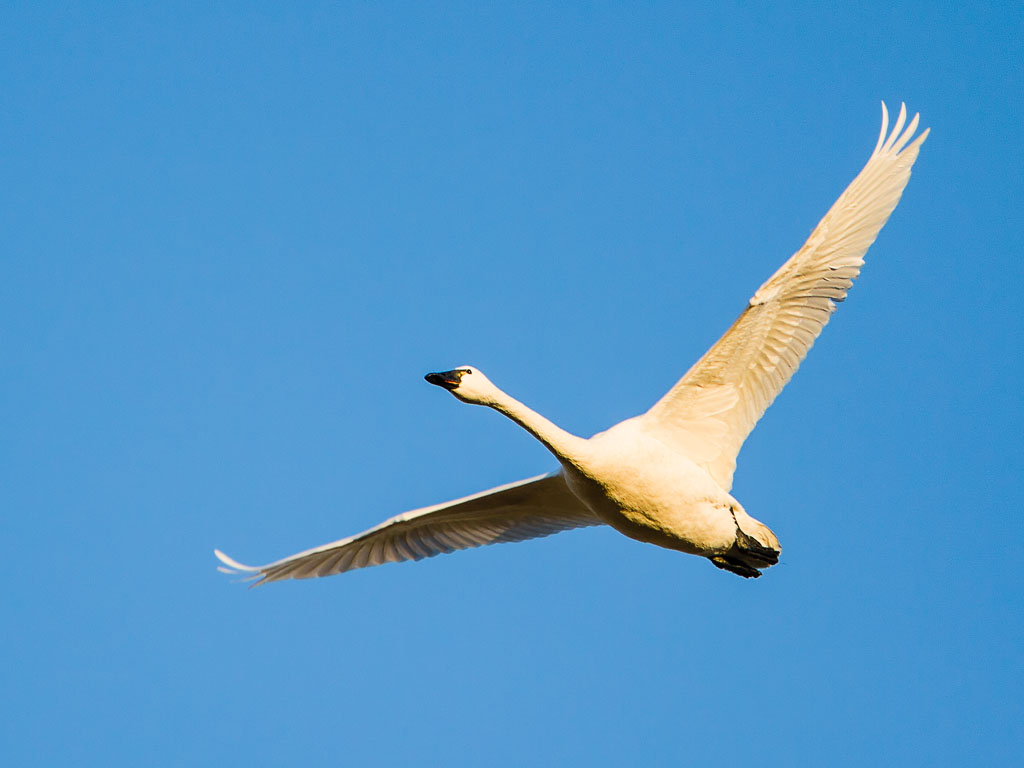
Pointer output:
x,y
662,477
649,491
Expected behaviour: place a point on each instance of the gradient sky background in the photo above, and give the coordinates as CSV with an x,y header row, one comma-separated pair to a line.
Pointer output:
x,y
236,236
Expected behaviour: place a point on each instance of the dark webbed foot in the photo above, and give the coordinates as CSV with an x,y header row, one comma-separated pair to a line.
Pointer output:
x,y
746,555
735,566
754,550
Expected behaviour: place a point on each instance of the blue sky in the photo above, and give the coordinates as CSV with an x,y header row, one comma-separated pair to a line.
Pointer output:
x,y
236,236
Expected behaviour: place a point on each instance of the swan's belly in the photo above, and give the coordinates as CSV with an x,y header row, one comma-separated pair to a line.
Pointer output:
x,y
669,502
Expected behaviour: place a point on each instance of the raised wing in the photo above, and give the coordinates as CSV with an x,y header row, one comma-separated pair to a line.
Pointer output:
x,y
709,413
529,509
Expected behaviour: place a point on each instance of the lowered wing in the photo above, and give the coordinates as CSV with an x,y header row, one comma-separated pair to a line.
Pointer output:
x,y
529,509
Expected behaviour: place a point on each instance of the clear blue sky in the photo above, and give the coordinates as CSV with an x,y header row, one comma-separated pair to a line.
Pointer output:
x,y
235,237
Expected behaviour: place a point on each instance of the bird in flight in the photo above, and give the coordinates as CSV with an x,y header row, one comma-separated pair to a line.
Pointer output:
x,y
664,476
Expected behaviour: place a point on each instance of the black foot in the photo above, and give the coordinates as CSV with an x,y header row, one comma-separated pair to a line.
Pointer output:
x,y
749,550
754,550
735,566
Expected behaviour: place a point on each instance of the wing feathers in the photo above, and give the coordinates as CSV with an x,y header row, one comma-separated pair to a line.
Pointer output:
x,y
762,350
528,509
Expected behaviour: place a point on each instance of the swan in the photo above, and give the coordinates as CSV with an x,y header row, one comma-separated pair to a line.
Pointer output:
x,y
662,477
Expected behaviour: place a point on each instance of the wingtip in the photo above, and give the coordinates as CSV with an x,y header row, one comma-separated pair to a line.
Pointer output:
x,y
233,565
895,140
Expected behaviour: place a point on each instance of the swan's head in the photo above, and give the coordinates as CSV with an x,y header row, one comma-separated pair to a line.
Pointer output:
x,y
466,383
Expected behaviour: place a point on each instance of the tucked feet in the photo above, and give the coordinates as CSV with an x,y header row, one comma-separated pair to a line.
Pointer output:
x,y
753,551
746,555
735,566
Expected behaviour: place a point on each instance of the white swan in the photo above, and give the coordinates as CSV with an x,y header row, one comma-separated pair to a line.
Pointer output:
x,y
662,477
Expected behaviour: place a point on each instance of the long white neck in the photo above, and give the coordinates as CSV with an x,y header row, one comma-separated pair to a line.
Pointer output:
x,y
566,447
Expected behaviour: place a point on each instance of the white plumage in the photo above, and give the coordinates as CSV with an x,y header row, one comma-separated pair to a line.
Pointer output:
x,y
662,477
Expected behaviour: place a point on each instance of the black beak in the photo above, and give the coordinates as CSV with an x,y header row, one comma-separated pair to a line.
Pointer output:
x,y
448,379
